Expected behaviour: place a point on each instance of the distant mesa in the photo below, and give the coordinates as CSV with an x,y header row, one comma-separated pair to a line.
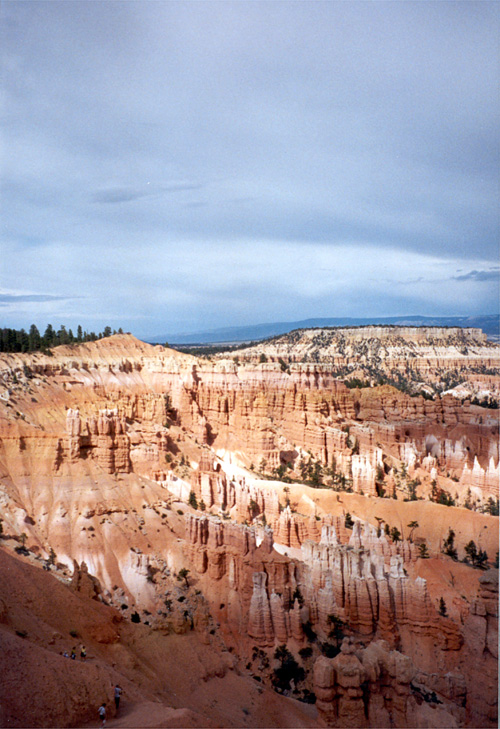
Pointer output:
x,y
490,325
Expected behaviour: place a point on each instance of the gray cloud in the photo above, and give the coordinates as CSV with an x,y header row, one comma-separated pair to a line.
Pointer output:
x,y
326,126
13,298
122,194
490,275
117,195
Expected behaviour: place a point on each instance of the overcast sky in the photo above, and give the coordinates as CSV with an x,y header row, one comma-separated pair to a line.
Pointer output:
x,y
177,166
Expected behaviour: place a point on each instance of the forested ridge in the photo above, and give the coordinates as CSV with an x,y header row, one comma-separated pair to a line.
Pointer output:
x,y
19,340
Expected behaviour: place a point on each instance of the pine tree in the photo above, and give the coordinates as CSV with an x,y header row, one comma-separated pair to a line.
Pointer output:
x,y
22,341
348,522
471,551
62,335
449,544
412,525
49,337
395,534
34,338
481,559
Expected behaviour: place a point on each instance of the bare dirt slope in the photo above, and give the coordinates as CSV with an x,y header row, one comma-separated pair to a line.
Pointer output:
x,y
169,680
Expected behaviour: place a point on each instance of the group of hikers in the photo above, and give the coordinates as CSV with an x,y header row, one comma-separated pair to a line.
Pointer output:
x,y
72,655
117,689
102,709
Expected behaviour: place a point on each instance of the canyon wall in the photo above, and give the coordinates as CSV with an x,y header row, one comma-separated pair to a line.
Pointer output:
x,y
148,465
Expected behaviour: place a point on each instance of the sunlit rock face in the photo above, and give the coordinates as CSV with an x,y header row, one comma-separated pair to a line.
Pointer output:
x,y
117,398
287,500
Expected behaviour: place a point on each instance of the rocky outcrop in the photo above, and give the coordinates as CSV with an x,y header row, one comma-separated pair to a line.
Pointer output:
x,y
83,583
486,479
260,624
366,586
289,529
377,599
211,485
103,436
481,643
374,687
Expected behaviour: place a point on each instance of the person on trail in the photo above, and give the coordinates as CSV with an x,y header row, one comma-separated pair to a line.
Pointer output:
x,y
102,713
83,653
73,654
118,693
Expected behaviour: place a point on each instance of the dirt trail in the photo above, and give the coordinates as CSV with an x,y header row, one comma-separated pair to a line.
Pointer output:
x,y
148,714
151,715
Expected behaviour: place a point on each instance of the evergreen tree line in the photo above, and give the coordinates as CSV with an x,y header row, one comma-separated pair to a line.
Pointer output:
x,y
18,340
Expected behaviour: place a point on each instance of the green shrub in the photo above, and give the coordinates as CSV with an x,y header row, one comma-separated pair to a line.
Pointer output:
x,y
423,551
355,382
337,628
492,507
183,575
283,365
305,653
287,670
329,650
309,632
308,697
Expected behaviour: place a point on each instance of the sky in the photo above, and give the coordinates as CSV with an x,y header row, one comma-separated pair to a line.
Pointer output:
x,y
172,167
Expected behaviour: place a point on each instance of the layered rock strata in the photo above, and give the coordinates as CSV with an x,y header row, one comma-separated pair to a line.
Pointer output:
x,y
96,453
260,411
